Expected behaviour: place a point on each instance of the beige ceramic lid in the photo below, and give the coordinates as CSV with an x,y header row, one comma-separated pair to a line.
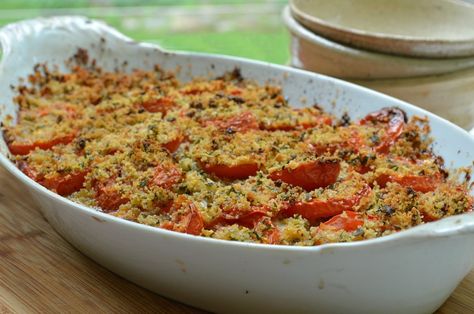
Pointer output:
x,y
422,28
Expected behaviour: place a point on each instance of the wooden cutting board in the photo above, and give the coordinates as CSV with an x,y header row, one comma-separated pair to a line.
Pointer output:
x,y
42,273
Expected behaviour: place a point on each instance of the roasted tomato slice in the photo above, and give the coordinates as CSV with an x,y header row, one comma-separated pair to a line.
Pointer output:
x,y
24,148
63,184
244,122
162,104
422,184
273,235
166,176
316,209
29,171
247,218
185,217
66,184
427,217
347,220
310,175
237,172
107,197
173,145
394,118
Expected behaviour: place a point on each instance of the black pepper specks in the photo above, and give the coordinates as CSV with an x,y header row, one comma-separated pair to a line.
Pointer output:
x,y
388,210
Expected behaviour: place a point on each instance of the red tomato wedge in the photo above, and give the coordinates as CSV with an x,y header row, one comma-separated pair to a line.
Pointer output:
x,y
173,145
395,120
273,235
237,172
63,184
163,105
187,220
67,184
427,217
107,197
24,148
348,221
166,206
418,183
310,175
271,232
247,218
244,122
166,176
193,222
316,209
29,171
362,169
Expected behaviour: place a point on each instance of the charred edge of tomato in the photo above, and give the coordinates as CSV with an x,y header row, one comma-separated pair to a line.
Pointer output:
x,y
385,115
395,118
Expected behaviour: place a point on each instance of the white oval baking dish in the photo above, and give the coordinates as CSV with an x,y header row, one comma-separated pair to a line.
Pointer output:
x,y
410,272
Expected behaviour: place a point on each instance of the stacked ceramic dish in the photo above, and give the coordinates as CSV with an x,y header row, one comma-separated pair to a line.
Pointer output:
x,y
419,51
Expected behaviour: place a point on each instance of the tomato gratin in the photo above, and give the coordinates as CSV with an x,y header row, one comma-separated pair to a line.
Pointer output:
x,y
227,158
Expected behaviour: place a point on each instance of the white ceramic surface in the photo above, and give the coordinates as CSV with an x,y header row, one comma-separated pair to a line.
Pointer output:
x,y
410,272
316,53
421,28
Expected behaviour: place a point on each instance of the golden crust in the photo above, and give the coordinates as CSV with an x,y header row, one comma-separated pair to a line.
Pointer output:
x,y
201,158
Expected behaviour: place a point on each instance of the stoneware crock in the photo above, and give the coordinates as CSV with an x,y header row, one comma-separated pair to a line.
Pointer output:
x,y
314,52
422,28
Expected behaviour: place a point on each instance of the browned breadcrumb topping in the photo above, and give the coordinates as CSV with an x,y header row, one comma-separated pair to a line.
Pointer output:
x,y
227,158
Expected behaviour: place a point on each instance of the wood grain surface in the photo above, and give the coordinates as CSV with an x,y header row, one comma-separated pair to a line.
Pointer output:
x,y
42,273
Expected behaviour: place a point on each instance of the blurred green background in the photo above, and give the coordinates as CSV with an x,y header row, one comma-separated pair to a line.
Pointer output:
x,y
251,29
